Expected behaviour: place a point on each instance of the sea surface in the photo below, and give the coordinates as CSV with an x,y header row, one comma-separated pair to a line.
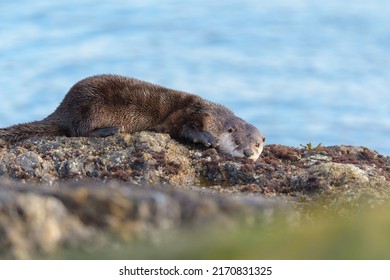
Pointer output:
x,y
302,71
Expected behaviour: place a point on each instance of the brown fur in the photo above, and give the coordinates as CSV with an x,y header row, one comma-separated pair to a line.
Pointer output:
x,y
105,104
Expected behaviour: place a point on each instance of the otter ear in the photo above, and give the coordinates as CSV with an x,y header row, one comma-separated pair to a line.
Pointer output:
x,y
263,138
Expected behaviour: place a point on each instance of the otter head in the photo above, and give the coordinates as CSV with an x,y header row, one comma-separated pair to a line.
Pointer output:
x,y
241,139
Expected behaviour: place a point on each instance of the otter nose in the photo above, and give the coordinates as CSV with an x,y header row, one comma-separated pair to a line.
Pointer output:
x,y
248,153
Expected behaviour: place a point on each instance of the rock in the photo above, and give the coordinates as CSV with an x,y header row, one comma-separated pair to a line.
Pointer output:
x,y
60,191
144,158
41,219
35,223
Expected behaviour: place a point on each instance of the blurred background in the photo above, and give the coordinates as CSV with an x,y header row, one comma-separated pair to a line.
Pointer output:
x,y
302,71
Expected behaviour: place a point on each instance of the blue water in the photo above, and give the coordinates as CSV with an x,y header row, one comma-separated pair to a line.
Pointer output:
x,y
302,71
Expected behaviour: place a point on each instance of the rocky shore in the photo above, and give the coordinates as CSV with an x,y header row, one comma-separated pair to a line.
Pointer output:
x,y
78,192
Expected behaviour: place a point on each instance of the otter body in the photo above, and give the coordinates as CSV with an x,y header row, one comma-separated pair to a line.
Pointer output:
x,y
106,104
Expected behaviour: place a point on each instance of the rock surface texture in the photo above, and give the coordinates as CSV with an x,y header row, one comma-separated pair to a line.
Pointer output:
x,y
57,192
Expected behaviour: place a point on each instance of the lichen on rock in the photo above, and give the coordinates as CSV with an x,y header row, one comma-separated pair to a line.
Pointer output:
x,y
61,191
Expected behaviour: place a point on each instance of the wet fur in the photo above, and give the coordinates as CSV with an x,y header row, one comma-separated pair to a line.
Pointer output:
x,y
105,104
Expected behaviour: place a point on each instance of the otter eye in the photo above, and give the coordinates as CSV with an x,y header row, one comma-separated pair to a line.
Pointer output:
x,y
257,145
237,142
230,129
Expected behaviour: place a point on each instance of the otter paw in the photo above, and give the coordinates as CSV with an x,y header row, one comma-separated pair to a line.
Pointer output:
x,y
205,138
